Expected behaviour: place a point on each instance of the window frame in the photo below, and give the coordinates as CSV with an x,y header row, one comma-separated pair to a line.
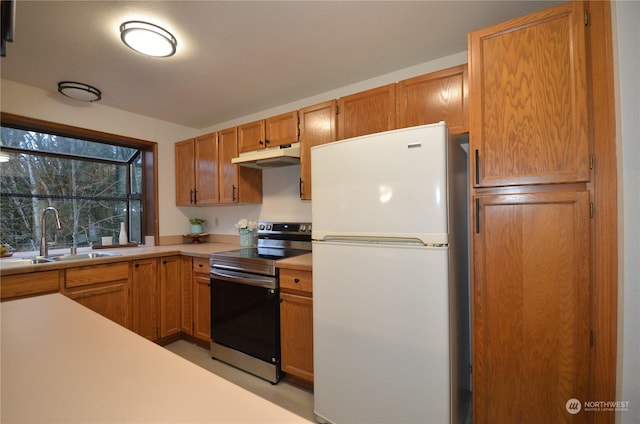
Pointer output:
x,y
149,149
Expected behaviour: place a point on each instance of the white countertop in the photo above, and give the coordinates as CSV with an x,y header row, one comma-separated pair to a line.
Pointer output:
x,y
63,363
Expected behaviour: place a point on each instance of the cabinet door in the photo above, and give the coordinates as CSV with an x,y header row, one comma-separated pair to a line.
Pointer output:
x,y
367,112
110,300
202,307
281,129
434,97
251,136
531,285
186,295
30,284
227,171
528,98
145,298
169,295
206,150
238,184
296,329
317,126
185,172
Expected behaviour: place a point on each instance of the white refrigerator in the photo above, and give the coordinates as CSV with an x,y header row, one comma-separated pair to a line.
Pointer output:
x,y
390,278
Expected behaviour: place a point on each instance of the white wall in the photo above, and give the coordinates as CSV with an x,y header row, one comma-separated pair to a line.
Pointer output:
x,y
626,16
280,186
36,103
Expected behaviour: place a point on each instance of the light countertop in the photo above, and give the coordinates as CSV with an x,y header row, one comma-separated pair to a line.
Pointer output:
x,y
61,362
202,250
302,262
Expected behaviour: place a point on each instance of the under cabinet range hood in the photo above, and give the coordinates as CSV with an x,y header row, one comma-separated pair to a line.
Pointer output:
x,y
271,157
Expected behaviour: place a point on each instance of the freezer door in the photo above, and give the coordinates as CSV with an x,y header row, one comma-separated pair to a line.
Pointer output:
x,y
391,184
381,334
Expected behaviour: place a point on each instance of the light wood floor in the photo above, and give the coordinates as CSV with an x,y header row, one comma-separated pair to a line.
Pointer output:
x,y
295,399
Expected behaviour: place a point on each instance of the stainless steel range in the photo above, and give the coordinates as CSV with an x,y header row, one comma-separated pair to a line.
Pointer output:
x,y
245,305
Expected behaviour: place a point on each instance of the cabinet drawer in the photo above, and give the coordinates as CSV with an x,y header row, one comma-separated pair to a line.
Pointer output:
x,y
201,265
294,279
30,284
95,274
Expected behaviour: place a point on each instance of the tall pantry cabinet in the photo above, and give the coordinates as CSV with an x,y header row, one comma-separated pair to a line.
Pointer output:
x,y
531,158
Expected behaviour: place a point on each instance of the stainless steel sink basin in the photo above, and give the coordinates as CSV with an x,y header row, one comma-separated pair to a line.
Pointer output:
x,y
26,261
6,263
83,256
10,263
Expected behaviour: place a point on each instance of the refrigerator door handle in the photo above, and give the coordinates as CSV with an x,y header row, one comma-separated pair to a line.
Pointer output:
x,y
377,240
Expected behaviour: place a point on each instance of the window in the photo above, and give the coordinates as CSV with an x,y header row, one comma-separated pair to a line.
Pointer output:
x,y
94,182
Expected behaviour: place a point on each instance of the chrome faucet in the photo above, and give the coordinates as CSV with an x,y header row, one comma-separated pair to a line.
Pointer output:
x,y
44,247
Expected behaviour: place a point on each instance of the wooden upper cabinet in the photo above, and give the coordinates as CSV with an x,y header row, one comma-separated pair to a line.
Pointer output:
x,y
227,171
271,132
434,97
367,112
185,172
282,129
528,99
237,184
531,303
196,171
251,136
317,126
206,169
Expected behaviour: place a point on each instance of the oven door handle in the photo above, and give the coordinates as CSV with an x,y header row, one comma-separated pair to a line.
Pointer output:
x,y
242,278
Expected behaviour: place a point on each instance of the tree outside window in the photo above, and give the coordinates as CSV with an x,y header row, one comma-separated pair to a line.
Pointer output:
x,y
94,186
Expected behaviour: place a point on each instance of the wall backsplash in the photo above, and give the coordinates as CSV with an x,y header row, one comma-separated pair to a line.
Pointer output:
x,y
281,202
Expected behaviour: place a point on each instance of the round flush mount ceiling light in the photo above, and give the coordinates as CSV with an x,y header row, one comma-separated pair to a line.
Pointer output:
x,y
148,39
79,91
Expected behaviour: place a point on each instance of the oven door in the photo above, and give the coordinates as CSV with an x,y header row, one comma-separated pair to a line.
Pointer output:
x,y
245,313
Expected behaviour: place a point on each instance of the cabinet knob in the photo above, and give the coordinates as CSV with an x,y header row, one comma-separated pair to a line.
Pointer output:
x,y
136,265
296,280
200,265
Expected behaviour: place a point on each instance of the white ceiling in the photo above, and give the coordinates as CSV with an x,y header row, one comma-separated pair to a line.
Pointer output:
x,y
236,58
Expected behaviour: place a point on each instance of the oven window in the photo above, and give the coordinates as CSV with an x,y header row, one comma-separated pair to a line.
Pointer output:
x,y
245,318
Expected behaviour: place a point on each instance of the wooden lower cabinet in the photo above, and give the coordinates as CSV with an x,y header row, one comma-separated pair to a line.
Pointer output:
x,y
296,323
186,295
202,307
195,298
144,295
156,297
169,296
30,284
101,288
531,303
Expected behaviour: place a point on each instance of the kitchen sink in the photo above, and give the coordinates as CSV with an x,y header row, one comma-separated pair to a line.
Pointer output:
x,y
7,263
83,256
10,263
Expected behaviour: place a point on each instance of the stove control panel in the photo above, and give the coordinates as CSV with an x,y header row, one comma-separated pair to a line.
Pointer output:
x,y
284,227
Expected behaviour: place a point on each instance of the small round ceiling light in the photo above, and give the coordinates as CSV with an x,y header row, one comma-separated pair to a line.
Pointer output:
x,y
148,39
79,91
